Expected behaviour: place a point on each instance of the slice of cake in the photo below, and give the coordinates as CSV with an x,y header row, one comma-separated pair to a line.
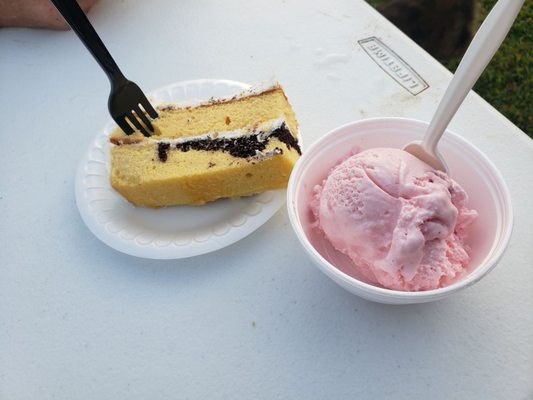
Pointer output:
x,y
221,148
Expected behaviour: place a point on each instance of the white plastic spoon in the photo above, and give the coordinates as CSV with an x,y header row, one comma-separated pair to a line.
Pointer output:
x,y
487,40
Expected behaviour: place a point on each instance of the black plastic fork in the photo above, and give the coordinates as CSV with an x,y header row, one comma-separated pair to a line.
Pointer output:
x,y
125,98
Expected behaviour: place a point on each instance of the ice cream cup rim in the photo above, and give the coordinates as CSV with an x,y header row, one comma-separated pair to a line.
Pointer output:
x,y
434,294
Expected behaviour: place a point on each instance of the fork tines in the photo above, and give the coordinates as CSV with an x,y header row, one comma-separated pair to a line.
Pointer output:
x,y
146,128
131,110
133,117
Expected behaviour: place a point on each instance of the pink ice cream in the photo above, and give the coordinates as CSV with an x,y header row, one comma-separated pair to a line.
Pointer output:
x,y
402,223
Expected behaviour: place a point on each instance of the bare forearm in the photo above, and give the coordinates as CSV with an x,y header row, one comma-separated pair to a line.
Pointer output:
x,y
35,14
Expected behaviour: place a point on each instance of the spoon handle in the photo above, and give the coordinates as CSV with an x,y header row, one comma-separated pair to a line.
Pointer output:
x,y
487,40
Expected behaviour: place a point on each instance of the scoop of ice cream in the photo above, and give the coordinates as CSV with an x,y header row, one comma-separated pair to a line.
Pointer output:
x,y
401,222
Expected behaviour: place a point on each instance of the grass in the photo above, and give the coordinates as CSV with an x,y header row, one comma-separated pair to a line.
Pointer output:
x,y
507,83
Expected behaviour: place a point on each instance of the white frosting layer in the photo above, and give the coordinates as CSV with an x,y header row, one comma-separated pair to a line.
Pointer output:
x,y
262,131
265,155
252,91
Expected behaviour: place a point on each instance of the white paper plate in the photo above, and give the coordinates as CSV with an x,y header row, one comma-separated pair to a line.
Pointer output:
x,y
172,232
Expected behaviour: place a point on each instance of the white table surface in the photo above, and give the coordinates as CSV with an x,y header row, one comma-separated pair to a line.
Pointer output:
x,y
256,320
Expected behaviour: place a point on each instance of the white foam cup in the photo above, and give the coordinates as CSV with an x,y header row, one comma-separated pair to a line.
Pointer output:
x,y
488,236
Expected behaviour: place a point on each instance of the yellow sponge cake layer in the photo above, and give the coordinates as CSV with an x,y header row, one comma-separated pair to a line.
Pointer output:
x,y
198,156
246,110
226,115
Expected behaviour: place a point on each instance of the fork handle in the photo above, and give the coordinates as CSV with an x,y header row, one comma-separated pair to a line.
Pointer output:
x,y
76,18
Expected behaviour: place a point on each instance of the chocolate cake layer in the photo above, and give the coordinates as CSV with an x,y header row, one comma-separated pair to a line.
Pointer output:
x,y
242,147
